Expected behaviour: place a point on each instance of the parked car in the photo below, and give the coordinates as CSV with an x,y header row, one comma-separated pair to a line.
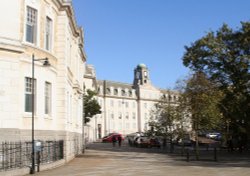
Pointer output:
x,y
185,140
109,137
142,141
154,142
214,135
132,137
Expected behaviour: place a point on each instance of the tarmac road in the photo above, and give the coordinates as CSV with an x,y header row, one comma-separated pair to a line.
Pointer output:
x,y
101,159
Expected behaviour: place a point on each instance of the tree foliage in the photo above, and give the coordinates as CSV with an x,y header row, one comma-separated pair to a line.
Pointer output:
x,y
224,57
168,118
203,99
91,105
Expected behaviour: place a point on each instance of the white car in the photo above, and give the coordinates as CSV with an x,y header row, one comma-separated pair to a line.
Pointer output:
x,y
212,135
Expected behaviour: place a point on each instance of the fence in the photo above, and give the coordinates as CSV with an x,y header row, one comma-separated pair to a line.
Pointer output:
x,y
15,155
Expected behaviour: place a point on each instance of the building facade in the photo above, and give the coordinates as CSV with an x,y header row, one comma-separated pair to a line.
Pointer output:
x,y
43,29
126,108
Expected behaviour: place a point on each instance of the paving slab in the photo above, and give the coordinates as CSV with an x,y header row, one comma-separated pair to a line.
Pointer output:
x,y
104,160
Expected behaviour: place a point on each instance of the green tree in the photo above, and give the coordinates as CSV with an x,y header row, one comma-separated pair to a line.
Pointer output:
x,y
168,118
224,57
203,100
91,105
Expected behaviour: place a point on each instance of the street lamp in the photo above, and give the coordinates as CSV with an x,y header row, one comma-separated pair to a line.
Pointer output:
x,y
45,63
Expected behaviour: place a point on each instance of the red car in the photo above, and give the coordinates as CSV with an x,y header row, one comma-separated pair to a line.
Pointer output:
x,y
109,137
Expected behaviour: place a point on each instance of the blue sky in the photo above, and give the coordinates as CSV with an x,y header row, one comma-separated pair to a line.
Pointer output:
x,y
119,34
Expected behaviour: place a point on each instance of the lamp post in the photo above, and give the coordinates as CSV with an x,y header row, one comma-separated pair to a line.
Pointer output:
x,y
45,63
83,121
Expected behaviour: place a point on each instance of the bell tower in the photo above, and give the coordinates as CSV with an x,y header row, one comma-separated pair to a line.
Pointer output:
x,y
141,75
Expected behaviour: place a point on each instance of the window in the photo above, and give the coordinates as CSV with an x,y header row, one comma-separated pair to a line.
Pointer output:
x,y
120,115
28,94
112,115
169,98
130,93
137,75
134,125
31,25
120,125
133,115
126,104
115,92
123,93
164,96
175,98
47,94
108,91
111,103
145,126
127,115
133,104
127,126
48,34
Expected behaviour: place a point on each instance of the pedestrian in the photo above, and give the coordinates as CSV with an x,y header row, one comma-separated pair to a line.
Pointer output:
x,y
119,140
114,140
230,144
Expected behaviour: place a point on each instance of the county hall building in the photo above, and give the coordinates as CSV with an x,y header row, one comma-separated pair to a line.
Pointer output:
x,y
126,108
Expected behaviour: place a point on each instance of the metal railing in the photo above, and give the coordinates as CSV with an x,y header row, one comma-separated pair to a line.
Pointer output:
x,y
15,155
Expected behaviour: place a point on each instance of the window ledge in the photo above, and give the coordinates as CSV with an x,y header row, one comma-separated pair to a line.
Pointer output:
x,y
48,117
28,115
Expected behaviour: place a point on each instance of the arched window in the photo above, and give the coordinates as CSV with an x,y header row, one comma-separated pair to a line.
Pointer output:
x,y
130,93
164,96
108,91
169,98
174,98
123,93
115,92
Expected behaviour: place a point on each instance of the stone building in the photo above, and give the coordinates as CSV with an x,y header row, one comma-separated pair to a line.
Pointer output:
x,y
126,108
44,29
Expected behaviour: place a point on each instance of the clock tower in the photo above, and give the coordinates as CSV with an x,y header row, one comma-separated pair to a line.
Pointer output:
x,y
141,75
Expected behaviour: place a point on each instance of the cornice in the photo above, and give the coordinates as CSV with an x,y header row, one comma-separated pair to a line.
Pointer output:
x,y
77,31
67,7
11,45
11,48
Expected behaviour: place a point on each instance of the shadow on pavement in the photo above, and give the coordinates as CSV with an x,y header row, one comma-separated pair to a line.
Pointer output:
x,y
224,158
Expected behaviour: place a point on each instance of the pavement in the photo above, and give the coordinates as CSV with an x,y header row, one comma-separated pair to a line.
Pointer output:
x,y
102,159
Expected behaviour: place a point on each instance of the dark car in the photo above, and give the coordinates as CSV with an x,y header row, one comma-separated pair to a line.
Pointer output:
x,y
142,141
109,137
154,142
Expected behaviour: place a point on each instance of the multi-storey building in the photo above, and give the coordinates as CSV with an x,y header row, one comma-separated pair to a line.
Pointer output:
x,y
43,29
126,108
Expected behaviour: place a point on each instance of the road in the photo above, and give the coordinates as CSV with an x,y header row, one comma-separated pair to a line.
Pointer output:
x,y
101,159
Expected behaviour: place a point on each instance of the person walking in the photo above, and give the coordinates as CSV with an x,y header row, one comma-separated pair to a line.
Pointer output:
x,y
114,140
119,140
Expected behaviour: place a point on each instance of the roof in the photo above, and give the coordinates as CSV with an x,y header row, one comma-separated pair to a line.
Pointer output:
x,y
115,84
141,65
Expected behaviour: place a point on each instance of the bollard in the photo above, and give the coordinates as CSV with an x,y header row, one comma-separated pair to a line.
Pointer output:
x,y
215,154
38,161
187,155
